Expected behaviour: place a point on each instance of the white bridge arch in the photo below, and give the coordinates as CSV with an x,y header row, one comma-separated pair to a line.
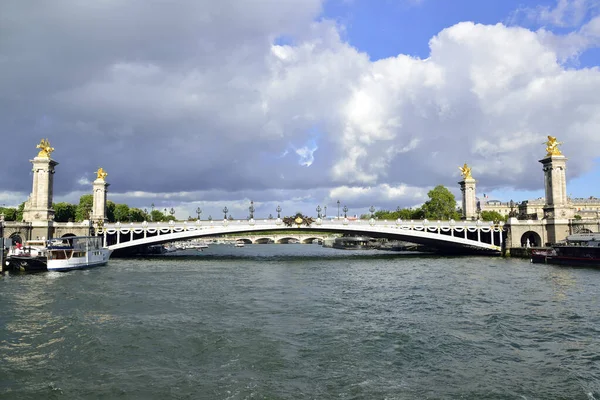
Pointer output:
x,y
460,236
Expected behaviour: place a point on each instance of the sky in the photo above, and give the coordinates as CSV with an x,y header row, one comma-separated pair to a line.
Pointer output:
x,y
297,103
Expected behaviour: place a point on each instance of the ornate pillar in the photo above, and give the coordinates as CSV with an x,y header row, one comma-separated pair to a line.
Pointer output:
x,y
99,197
38,208
557,210
467,188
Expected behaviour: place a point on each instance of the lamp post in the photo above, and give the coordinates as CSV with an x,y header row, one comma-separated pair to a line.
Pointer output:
x,y
172,212
278,209
251,209
318,211
152,212
225,211
345,211
198,212
372,209
145,213
165,213
338,203
324,211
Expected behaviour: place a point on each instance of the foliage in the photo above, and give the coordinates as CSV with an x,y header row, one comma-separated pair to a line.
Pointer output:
x,y
122,213
492,216
10,213
20,211
441,204
64,212
157,216
84,208
577,217
110,211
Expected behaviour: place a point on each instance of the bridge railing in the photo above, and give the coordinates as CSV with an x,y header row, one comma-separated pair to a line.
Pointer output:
x,y
193,225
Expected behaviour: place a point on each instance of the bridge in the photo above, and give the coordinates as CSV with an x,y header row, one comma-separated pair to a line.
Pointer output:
x,y
447,236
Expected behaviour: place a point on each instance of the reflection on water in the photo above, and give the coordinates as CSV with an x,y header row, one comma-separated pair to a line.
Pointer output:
x,y
300,321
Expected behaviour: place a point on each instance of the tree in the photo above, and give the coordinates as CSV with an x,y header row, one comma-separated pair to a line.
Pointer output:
x,y
20,210
122,212
157,216
84,208
10,213
492,216
441,204
64,212
110,210
137,215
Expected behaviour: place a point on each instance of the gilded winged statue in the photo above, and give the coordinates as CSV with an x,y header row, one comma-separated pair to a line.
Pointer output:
x,y
465,171
101,174
552,146
45,148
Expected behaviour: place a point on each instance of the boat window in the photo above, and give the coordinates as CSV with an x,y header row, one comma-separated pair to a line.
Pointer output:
x,y
79,254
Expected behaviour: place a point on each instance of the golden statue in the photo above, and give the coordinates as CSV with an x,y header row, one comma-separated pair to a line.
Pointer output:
x,y
552,147
465,171
45,149
101,174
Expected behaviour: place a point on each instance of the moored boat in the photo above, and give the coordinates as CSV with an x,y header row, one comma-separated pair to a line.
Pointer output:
x,y
27,257
77,252
582,249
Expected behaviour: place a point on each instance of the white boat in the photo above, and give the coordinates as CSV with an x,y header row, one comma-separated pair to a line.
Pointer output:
x,y
77,252
239,244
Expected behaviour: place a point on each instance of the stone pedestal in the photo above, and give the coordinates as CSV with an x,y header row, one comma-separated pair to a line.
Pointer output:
x,y
38,208
469,200
99,201
557,211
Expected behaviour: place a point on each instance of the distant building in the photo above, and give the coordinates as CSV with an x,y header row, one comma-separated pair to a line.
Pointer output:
x,y
586,208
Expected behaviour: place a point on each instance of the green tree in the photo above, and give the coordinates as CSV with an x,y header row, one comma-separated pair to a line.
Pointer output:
x,y
157,216
110,211
441,204
137,215
10,213
84,208
492,216
122,212
20,211
64,212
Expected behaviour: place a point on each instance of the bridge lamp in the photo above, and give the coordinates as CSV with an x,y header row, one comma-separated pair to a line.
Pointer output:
x,y
172,211
251,209
198,212
338,203
318,211
345,211
325,212
225,211
165,213
372,209
210,217
278,209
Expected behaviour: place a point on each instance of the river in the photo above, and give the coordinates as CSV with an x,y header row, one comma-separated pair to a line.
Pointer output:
x,y
302,322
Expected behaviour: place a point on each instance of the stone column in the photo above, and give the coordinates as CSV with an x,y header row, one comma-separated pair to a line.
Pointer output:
x,y
99,198
557,210
38,208
469,201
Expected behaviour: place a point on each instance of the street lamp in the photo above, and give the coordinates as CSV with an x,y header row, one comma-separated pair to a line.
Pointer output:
x,y
338,203
318,211
225,211
145,213
372,209
198,212
345,211
325,212
251,209
278,209
172,212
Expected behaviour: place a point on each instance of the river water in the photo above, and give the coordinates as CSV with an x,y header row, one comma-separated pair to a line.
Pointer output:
x,y
302,322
